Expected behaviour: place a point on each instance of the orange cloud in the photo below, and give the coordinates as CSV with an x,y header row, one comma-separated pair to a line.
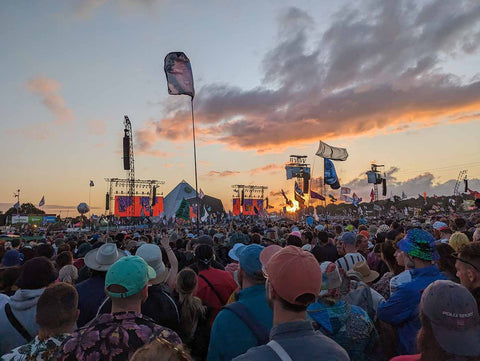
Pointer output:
x,y
226,173
273,167
47,89
96,127
365,75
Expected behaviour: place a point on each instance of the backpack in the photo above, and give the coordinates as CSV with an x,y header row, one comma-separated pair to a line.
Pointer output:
x,y
361,296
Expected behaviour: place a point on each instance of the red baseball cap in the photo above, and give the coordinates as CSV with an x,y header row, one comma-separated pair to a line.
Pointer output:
x,y
292,272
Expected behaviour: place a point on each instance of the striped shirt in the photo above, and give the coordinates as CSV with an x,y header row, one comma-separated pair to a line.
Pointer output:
x,y
348,261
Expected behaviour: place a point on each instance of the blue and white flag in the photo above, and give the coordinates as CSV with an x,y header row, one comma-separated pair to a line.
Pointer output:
x,y
17,205
298,190
330,175
42,202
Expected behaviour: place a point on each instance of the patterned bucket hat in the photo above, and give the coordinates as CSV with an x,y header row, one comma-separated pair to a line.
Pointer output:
x,y
420,244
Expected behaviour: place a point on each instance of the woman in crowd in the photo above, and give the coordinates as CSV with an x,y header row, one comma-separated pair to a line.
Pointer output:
x,y
195,329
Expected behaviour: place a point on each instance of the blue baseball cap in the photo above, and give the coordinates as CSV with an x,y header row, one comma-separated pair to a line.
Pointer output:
x,y
349,238
249,259
12,258
132,273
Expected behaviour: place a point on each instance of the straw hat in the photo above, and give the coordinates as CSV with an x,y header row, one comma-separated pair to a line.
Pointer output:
x,y
367,274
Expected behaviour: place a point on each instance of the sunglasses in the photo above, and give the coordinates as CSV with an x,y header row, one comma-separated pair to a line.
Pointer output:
x,y
455,255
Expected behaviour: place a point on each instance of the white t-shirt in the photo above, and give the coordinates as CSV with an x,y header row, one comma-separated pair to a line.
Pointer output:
x,y
348,261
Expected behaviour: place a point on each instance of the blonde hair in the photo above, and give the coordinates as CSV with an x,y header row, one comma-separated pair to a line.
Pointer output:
x,y
457,240
192,308
160,349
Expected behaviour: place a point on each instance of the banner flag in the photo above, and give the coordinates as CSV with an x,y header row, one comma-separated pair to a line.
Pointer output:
x,y
91,184
299,199
330,175
316,195
287,201
372,196
42,202
404,196
297,189
179,74
333,153
17,205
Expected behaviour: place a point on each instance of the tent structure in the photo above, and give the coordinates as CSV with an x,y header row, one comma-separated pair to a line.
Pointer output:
x,y
173,199
212,205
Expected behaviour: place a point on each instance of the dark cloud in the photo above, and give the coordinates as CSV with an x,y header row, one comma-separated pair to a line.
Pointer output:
x,y
378,66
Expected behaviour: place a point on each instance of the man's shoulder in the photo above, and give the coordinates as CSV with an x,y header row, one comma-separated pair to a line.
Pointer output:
x,y
317,344
263,352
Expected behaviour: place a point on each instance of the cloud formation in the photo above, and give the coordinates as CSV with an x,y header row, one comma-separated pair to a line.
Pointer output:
x,y
425,182
377,68
225,173
48,90
96,127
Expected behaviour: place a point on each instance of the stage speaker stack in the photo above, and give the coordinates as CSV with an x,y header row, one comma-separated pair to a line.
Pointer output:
x,y
384,187
107,203
154,196
126,152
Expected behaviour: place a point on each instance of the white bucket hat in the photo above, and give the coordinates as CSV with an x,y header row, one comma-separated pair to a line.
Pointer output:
x,y
100,259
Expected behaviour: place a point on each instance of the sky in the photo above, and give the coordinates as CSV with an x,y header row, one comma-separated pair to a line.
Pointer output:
x,y
394,82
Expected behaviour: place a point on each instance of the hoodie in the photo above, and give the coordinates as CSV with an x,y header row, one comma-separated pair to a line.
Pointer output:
x,y
23,304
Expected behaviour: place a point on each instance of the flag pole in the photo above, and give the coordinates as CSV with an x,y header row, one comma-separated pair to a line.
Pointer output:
x,y
195,166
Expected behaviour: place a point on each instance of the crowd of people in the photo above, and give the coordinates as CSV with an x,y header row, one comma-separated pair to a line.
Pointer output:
x,y
251,289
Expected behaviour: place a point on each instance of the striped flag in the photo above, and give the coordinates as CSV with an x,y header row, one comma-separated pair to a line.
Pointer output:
x,y
42,202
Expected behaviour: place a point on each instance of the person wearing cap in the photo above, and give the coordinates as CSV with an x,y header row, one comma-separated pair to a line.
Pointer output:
x,y
117,335
214,286
351,254
12,258
401,309
36,274
230,335
437,229
293,281
232,267
348,325
91,292
160,305
450,324
59,299
468,268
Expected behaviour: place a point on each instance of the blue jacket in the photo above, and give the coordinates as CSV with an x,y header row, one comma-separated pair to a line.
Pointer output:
x,y
401,309
230,336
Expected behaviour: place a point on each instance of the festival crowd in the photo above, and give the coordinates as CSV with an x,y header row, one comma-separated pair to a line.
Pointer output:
x,y
247,289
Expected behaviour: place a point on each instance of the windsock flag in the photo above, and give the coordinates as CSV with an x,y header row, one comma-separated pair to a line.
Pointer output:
x,y
179,74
